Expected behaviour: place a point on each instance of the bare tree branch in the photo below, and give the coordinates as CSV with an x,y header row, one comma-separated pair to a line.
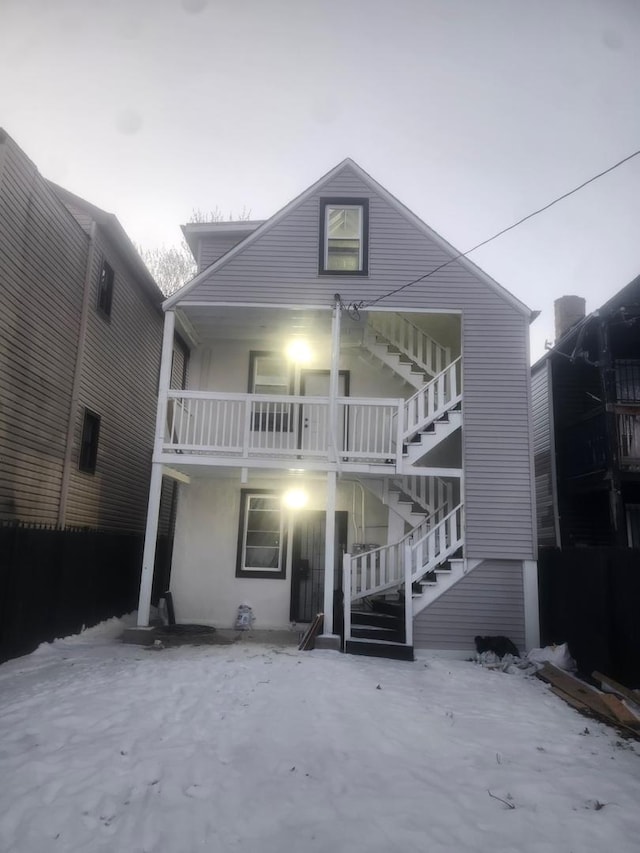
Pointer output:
x,y
171,266
506,802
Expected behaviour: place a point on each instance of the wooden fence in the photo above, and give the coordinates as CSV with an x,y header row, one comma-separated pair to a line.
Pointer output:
x,y
590,598
53,582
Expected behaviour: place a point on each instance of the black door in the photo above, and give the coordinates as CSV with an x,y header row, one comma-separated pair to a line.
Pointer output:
x,y
307,562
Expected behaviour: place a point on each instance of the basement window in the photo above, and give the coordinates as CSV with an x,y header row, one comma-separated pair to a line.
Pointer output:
x,y
344,236
105,289
260,536
89,442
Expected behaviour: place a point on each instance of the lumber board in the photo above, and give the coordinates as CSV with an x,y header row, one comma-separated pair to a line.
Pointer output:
x,y
576,689
620,711
615,687
575,703
575,693
308,640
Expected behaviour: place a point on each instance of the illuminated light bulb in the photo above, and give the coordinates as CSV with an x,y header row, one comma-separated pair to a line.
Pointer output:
x,y
295,498
299,351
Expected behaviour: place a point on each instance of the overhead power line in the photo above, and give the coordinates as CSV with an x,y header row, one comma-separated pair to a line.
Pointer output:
x,y
500,233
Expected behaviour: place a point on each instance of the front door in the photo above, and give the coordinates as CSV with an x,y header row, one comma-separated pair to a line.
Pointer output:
x,y
314,417
307,562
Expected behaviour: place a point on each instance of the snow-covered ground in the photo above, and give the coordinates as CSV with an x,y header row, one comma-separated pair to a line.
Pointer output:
x,y
106,747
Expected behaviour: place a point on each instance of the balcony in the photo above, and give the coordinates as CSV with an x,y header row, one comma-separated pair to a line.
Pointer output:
x,y
269,430
586,448
628,433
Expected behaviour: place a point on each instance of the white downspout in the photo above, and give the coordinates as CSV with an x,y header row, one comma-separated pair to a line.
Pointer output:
x,y
155,486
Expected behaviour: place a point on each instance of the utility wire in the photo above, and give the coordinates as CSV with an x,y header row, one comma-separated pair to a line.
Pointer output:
x,y
359,305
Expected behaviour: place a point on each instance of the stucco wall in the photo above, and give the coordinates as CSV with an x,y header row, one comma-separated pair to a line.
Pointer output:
x,y
203,581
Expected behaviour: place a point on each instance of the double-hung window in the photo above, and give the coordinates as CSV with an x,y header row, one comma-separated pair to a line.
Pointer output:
x,y
344,236
270,373
260,536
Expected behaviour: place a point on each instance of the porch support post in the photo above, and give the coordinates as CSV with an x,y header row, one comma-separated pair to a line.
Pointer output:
x,y
155,486
329,555
328,639
334,376
531,611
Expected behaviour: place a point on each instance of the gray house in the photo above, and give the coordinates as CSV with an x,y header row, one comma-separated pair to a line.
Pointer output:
x,y
81,333
355,434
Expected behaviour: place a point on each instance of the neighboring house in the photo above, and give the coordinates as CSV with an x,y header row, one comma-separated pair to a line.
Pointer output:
x,y
586,402
348,421
81,333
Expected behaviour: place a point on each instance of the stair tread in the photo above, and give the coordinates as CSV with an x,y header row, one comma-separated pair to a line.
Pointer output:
x,y
380,648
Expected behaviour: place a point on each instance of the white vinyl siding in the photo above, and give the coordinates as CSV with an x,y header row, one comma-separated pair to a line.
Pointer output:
x,y
281,267
489,601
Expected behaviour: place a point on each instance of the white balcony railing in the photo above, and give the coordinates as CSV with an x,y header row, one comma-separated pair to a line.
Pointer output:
x,y
297,427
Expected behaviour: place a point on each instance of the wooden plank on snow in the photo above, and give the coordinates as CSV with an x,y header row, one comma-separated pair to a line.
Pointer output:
x,y
615,687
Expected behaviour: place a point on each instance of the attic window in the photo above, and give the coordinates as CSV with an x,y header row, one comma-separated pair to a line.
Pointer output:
x,y
344,227
105,289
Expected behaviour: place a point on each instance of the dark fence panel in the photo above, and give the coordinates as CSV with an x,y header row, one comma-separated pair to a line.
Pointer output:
x,y
590,598
54,582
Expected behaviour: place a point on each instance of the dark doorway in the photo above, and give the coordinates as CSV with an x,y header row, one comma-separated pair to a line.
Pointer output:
x,y
307,562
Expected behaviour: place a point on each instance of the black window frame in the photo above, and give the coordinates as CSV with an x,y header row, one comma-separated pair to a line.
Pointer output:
x,y
277,573
106,281
333,201
89,441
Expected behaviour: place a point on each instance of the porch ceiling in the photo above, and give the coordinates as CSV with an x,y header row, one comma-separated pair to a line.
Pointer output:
x,y
249,323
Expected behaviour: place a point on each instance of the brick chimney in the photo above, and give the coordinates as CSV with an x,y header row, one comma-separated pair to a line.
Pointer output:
x,y
569,310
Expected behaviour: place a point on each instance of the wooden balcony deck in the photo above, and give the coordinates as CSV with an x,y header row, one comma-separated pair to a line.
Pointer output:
x,y
241,429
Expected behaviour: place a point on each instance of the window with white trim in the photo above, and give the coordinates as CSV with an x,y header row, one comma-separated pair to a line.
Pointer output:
x,y
260,536
344,226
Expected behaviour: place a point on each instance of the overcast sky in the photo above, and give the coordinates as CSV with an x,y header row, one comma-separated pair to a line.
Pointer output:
x,y
472,112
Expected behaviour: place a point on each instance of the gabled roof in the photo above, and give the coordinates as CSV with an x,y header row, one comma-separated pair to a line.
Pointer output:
x,y
628,296
375,187
109,222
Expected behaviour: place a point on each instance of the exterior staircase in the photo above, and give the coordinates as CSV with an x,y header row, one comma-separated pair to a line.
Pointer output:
x,y
384,588
415,571
411,353
413,498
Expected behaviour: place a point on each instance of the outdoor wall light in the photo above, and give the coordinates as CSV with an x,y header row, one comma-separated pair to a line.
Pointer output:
x,y
299,351
295,498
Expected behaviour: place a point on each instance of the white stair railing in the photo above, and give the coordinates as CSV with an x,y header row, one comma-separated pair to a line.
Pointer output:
x,y
411,341
433,400
432,494
430,548
384,569
380,569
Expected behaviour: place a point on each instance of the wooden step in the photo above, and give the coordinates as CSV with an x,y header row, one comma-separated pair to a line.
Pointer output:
x,y
379,649
371,632
375,618
394,608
